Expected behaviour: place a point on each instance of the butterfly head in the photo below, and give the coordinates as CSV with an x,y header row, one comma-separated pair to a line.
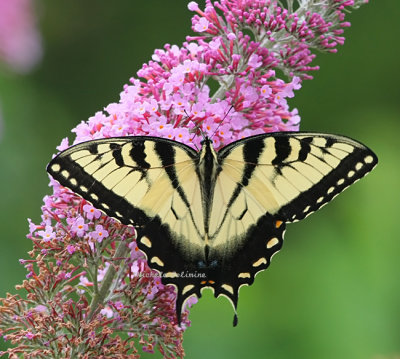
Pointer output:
x,y
207,141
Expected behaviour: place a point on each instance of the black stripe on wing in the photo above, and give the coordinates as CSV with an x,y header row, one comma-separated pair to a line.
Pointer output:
x,y
355,161
251,152
355,166
70,174
79,181
166,152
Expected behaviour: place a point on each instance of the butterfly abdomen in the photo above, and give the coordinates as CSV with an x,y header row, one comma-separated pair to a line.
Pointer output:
x,y
208,168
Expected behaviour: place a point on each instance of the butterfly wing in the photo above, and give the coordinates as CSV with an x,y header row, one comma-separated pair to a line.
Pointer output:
x,y
294,174
150,183
129,178
266,181
263,182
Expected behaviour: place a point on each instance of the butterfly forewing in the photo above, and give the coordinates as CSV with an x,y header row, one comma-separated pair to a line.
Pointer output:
x,y
120,174
294,174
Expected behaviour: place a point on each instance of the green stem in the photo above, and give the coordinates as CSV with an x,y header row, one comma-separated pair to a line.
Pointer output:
x,y
220,93
106,284
108,279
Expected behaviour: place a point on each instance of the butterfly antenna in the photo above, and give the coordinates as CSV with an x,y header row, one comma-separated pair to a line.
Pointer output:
x,y
195,129
223,119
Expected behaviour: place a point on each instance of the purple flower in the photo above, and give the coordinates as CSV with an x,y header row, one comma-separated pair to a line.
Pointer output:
x,y
63,145
47,234
294,85
71,249
118,305
91,212
107,312
192,6
266,91
32,226
84,281
79,226
254,60
41,308
30,335
100,233
102,272
201,25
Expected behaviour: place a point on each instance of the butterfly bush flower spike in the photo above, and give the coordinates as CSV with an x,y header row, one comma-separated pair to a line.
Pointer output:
x,y
89,291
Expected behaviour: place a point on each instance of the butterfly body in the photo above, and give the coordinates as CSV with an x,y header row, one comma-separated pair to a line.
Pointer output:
x,y
211,218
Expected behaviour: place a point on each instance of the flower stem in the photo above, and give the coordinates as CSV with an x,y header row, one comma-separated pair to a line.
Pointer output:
x,y
107,282
220,93
101,295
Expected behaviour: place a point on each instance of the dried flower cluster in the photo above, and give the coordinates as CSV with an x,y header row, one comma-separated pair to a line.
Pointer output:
x,y
90,291
86,283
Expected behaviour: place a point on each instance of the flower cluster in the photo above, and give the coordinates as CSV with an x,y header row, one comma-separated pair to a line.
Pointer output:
x,y
242,46
87,281
20,42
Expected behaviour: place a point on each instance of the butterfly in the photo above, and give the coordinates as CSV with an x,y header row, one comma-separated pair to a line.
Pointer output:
x,y
211,218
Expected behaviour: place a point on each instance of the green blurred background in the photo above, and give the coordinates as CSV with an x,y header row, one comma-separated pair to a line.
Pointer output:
x,y
334,291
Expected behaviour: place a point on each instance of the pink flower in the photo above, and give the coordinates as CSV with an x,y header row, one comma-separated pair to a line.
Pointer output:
x,y
182,134
91,212
231,36
151,292
79,226
224,131
255,61
107,312
64,143
32,226
138,267
192,6
30,335
119,305
190,302
201,25
294,85
193,48
41,309
71,249
85,282
99,234
102,272
47,234
266,91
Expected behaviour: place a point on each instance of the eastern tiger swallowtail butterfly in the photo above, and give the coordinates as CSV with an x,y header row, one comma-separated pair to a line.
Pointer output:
x,y
206,218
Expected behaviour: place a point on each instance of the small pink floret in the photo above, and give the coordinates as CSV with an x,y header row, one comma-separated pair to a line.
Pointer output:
x,y
193,6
